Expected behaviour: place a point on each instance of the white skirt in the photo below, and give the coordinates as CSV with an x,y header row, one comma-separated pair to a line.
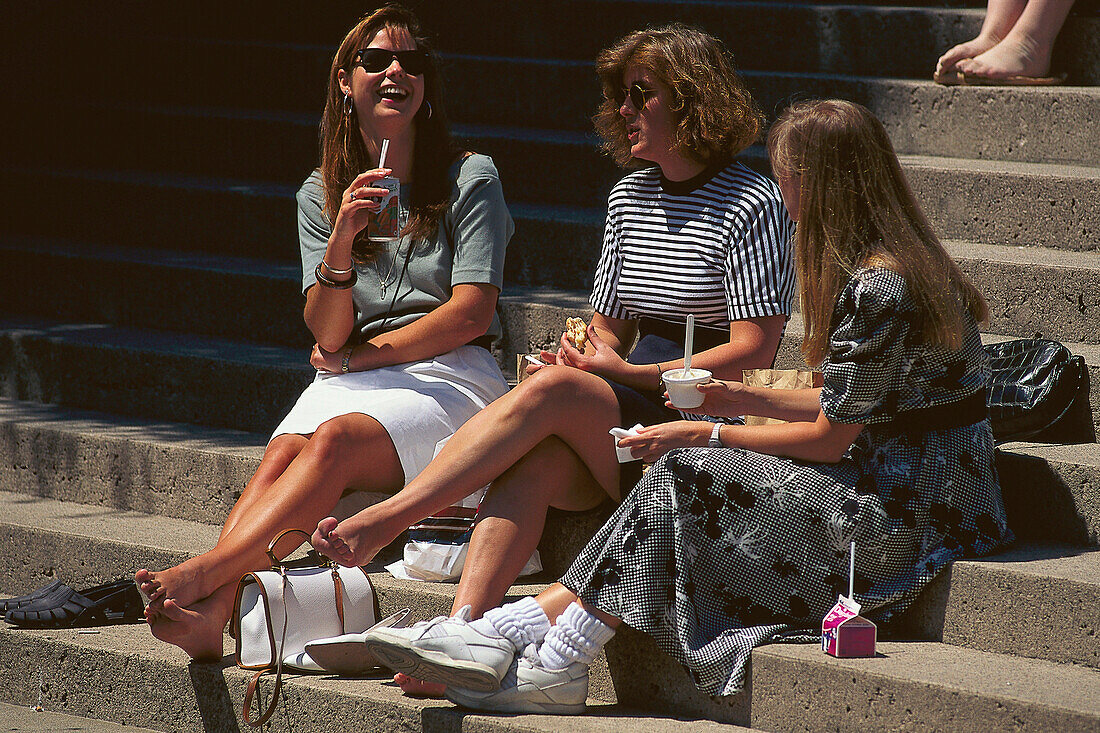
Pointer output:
x,y
420,404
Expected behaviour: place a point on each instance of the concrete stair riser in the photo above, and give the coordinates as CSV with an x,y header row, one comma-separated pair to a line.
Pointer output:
x,y
1028,125
999,204
231,218
1052,616
171,291
797,688
222,384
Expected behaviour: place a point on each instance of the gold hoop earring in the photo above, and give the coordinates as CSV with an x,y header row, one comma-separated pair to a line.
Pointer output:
x,y
348,105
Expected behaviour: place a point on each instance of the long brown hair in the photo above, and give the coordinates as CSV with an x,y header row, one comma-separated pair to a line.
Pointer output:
x,y
857,210
344,156
715,113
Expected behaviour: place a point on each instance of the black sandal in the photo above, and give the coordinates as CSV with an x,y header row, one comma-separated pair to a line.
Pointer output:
x,y
9,604
118,602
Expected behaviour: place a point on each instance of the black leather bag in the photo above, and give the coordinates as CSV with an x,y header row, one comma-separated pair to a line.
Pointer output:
x,y
1034,385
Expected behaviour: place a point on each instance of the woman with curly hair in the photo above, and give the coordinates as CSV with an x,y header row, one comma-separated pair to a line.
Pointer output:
x,y
721,548
402,324
690,232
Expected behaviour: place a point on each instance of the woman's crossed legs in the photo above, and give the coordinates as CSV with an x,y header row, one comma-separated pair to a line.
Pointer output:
x,y
299,481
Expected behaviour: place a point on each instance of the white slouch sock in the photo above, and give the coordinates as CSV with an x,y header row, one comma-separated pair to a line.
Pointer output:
x,y
577,636
522,623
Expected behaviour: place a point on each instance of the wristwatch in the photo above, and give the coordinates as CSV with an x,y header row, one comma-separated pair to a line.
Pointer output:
x,y
715,440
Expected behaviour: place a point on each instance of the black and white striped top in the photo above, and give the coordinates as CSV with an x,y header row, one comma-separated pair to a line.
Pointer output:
x,y
717,246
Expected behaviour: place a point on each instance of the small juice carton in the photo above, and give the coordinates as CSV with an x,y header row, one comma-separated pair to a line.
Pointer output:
x,y
844,633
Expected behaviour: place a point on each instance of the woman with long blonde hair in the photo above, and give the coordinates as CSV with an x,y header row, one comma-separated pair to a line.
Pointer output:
x,y
402,325
720,549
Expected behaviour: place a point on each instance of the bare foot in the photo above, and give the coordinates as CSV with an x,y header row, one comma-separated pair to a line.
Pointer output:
x,y
183,583
196,630
964,51
1016,55
346,542
413,687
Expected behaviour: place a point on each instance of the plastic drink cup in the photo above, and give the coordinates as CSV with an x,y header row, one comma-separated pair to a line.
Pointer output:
x,y
681,385
385,226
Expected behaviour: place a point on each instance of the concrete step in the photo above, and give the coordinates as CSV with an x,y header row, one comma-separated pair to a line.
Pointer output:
x,y
196,473
80,544
29,719
151,374
1022,124
991,202
886,39
208,697
1035,124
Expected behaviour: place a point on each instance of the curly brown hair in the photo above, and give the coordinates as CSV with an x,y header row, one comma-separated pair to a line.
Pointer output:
x,y
715,114
343,155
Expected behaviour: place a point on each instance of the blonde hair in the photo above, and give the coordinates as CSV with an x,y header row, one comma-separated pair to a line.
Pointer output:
x,y
344,156
857,210
715,113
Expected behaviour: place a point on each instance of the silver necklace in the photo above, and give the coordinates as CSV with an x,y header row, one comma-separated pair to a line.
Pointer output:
x,y
384,282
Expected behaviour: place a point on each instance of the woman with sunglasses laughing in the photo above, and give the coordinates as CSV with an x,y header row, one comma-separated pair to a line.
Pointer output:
x,y
690,232
402,326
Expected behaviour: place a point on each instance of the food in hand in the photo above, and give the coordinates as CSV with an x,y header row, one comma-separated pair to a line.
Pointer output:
x,y
576,330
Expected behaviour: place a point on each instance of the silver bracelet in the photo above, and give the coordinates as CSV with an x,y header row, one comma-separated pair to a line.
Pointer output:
x,y
334,271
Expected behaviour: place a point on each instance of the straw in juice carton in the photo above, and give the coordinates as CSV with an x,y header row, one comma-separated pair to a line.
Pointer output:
x,y
385,225
844,633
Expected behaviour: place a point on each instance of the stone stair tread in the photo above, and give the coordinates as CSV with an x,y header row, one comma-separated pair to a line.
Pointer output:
x,y
1084,173
243,353
1031,681
122,526
1077,564
25,719
183,436
117,645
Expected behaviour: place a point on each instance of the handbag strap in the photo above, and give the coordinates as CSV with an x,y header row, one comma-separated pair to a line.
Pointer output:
x,y
276,562
255,681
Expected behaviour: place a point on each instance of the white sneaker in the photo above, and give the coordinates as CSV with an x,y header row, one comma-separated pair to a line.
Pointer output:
x,y
528,687
446,649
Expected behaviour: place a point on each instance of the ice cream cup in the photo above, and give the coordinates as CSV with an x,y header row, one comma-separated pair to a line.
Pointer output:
x,y
682,385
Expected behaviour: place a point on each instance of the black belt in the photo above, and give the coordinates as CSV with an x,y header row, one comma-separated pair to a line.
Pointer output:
x,y
706,337
944,417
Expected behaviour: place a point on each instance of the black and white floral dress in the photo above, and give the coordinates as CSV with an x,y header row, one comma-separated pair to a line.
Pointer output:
x,y
717,551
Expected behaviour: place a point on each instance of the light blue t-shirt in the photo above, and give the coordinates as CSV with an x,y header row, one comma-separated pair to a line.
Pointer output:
x,y
468,247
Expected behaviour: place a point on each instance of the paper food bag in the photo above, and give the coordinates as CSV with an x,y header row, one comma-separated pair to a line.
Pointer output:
x,y
775,379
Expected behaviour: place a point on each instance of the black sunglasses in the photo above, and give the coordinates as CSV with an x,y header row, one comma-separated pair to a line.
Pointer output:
x,y
374,60
638,94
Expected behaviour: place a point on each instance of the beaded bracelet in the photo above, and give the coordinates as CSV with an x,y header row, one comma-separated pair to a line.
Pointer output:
x,y
346,358
335,284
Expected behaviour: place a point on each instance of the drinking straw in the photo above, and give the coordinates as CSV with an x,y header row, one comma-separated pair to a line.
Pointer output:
x,y
688,337
852,572
382,155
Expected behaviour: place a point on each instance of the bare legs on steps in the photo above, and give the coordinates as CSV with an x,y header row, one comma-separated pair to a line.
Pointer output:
x,y
299,481
544,444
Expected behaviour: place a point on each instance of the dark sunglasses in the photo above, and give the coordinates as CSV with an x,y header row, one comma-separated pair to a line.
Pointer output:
x,y
638,94
374,60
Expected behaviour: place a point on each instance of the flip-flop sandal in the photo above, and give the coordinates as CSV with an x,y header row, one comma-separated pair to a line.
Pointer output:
x,y
8,604
117,602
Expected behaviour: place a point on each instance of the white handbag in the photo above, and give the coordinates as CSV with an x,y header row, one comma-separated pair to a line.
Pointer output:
x,y
278,611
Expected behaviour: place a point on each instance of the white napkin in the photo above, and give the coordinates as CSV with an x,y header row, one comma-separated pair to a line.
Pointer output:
x,y
623,454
